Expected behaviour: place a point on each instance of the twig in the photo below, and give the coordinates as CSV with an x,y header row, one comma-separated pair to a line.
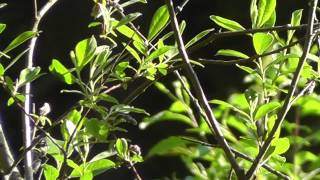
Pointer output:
x,y
135,172
213,124
238,61
27,90
286,106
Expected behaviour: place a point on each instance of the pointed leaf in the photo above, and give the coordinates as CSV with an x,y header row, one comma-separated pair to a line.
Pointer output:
x,y
228,105
261,42
198,37
295,21
159,20
2,28
23,37
233,53
62,72
122,148
28,75
253,13
128,18
265,11
160,51
227,23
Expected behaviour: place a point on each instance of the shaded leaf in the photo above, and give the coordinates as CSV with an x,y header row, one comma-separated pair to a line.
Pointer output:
x,y
2,27
128,18
23,37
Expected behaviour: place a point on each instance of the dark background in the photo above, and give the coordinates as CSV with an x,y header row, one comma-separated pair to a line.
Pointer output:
x,y
66,24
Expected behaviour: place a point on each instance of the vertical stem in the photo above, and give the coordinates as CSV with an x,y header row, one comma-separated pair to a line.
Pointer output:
x,y
27,127
286,106
212,122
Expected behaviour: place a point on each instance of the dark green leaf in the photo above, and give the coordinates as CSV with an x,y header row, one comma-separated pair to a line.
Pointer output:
x,y
60,71
233,53
23,37
261,42
227,23
159,20
108,98
97,129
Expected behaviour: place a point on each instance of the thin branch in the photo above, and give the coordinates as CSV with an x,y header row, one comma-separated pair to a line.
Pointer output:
x,y
238,61
27,90
135,172
286,106
213,123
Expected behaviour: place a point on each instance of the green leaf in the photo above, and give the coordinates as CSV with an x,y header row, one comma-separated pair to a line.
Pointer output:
x,y
128,18
265,11
129,33
261,42
133,53
62,72
170,146
97,129
122,148
253,13
227,23
160,51
50,172
87,176
165,116
85,51
159,20
228,105
265,109
198,37
100,166
28,75
281,145
295,21
178,106
230,52
108,98
1,70
102,155
2,27
23,37
246,69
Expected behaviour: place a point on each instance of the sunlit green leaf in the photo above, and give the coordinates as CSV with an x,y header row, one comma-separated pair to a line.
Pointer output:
x,y
85,51
265,11
50,172
295,21
128,18
155,54
281,145
227,23
261,42
23,37
133,53
2,28
253,13
159,20
122,148
97,129
100,166
60,71
228,105
129,33
1,70
198,37
233,53
28,75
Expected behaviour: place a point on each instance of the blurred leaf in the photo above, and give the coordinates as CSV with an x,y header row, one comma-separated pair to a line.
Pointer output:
x,y
233,53
227,23
108,98
1,70
228,105
100,166
265,11
23,37
165,116
169,146
96,128
159,20
178,107
265,109
199,37
61,72
87,176
261,42
50,172
102,155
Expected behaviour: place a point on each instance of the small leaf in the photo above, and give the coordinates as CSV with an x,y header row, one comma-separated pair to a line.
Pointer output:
x,y
281,145
198,37
62,72
2,28
253,13
228,105
84,51
159,20
133,53
227,23
97,129
129,33
1,70
230,52
295,21
122,148
246,69
265,11
261,42
265,109
50,172
23,37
